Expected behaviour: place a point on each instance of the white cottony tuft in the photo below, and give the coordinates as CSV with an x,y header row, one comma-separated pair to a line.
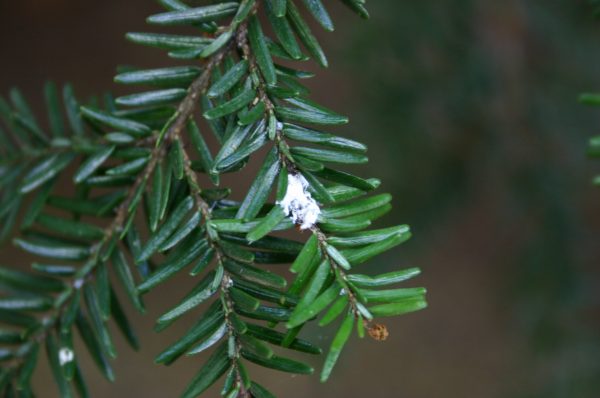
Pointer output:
x,y
298,203
65,355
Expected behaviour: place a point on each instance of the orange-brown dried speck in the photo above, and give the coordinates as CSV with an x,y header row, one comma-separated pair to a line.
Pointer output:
x,y
378,332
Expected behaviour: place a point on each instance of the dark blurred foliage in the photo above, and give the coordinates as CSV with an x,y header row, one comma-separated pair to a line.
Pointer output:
x,y
478,99
470,112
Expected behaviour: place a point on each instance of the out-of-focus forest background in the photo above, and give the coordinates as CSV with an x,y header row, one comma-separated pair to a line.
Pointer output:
x,y
470,112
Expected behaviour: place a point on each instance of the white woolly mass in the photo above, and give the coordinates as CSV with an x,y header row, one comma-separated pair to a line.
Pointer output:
x,y
298,203
65,355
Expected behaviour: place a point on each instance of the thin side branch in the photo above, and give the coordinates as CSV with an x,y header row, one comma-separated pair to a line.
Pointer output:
x,y
85,274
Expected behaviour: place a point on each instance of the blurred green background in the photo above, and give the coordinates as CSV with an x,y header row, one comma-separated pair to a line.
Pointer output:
x,y
470,112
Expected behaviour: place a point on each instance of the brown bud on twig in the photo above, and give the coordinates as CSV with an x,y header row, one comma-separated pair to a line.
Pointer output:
x,y
378,332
